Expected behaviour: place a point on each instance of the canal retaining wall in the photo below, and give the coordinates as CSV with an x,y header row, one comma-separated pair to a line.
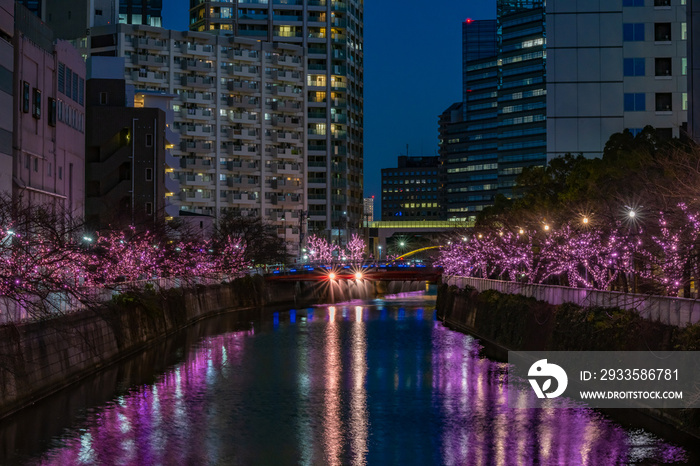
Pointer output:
x,y
665,309
514,322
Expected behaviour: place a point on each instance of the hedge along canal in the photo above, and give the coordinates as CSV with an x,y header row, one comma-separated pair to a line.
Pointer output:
x,y
511,322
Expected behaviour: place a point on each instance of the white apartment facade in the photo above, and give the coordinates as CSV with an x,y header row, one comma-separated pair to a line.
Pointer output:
x,y
611,65
240,109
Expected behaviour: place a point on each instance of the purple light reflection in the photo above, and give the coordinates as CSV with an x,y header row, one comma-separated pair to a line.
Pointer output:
x,y
473,393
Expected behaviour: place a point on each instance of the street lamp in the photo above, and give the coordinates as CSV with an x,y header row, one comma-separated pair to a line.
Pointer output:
x,y
380,253
546,228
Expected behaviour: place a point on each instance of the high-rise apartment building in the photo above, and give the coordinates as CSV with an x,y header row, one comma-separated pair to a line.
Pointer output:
x,y
240,110
621,65
331,32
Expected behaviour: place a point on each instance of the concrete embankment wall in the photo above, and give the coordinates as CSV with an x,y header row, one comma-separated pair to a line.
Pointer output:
x,y
39,358
513,322
665,309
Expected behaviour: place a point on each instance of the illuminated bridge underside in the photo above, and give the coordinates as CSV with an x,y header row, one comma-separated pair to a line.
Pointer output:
x,y
407,274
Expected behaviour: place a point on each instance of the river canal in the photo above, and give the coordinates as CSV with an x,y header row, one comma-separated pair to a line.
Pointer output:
x,y
379,382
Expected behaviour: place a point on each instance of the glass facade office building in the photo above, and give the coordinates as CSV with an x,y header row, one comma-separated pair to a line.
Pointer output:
x,y
500,126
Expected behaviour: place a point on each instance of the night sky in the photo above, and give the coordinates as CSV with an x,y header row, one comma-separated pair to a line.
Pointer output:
x,y
412,73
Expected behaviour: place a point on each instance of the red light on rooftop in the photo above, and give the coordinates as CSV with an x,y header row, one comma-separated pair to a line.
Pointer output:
x,y
468,20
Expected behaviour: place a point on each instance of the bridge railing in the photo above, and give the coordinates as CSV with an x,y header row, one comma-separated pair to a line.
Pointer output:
x,y
665,309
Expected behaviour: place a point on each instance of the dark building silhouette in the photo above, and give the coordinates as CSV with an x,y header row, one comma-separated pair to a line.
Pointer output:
x,y
125,154
411,191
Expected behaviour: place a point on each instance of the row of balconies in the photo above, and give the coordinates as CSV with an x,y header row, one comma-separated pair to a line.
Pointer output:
x,y
287,60
199,147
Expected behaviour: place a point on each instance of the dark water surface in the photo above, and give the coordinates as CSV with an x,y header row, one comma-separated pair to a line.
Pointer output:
x,y
361,383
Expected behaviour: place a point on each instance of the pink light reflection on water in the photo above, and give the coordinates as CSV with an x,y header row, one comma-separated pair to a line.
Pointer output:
x,y
146,425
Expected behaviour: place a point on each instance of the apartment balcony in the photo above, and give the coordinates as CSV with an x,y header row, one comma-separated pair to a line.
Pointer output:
x,y
285,168
149,43
286,91
287,137
149,60
199,66
194,163
197,49
243,182
197,147
289,186
243,102
285,152
236,150
242,167
196,197
286,75
243,134
287,122
288,201
172,185
286,106
198,82
197,131
242,117
243,55
196,180
243,71
196,113
244,87
149,77
338,118
242,198
197,98
287,60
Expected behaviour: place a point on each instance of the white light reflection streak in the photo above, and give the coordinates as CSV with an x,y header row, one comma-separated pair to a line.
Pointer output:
x,y
333,437
305,434
358,402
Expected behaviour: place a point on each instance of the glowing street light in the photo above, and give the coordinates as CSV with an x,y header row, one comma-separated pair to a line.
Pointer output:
x,y
546,228
585,220
464,238
521,231
331,276
632,213
358,275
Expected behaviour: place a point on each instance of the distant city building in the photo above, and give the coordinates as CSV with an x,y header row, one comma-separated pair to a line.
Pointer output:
x,y
240,112
628,70
125,150
620,66
7,32
499,128
411,191
331,33
369,209
49,116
